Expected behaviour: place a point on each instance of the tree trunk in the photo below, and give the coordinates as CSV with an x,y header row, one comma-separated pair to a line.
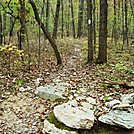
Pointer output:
x,y
89,17
102,56
67,20
47,15
72,12
51,40
94,22
114,31
126,22
22,32
56,19
123,30
62,19
1,31
4,27
80,18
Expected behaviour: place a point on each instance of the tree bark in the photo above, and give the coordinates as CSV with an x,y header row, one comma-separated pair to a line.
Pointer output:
x,y
62,19
102,55
22,31
1,31
80,18
72,12
56,19
51,40
126,22
47,15
89,17
94,22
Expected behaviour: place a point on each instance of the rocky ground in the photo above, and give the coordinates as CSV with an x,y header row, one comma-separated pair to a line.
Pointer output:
x,y
24,112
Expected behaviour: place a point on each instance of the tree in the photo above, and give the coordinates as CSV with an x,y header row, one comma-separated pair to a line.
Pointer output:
x,y
1,32
51,40
56,19
72,12
80,18
89,17
47,15
102,55
62,18
126,21
22,31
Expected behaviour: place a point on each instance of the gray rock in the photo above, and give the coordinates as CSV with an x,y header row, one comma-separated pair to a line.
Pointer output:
x,y
52,92
112,103
22,89
50,128
74,115
128,98
119,118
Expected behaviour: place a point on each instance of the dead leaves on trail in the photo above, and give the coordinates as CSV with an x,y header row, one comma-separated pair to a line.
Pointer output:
x,y
103,82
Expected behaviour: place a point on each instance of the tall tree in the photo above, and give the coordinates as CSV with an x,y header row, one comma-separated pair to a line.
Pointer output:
x,y
51,40
4,27
72,12
80,18
114,31
22,17
1,32
47,15
126,21
62,19
123,30
102,55
89,17
94,21
56,19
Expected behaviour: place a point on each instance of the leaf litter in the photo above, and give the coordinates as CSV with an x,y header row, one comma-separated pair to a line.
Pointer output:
x,y
22,111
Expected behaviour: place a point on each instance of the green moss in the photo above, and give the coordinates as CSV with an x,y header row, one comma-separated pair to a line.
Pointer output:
x,y
51,118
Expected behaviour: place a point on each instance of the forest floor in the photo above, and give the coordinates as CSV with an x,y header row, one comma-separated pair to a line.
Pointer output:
x,y
24,112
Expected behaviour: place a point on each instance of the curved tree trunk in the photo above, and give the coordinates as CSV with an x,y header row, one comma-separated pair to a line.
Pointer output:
x,y
51,40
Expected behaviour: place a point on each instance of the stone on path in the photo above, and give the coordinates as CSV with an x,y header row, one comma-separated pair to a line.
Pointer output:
x,y
122,113
50,128
75,115
119,118
52,92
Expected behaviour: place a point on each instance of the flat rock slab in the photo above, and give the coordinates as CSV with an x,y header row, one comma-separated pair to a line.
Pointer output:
x,y
119,118
74,115
52,92
128,98
50,128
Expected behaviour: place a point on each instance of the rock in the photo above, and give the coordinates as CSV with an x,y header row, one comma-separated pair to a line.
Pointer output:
x,y
22,89
128,98
52,92
119,118
123,107
75,115
112,103
50,128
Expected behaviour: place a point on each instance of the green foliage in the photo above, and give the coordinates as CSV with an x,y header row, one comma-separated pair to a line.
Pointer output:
x,y
11,49
106,98
116,86
19,82
51,118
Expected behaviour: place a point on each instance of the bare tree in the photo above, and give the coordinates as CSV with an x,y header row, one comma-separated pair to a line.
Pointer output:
x,y
51,40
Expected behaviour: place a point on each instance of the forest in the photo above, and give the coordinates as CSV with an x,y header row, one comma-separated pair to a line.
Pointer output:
x,y
66,66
